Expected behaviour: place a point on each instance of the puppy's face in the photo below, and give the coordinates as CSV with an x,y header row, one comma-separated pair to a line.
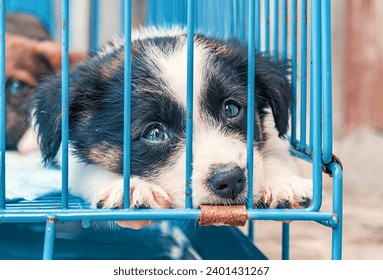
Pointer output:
x,y
27,62
158,112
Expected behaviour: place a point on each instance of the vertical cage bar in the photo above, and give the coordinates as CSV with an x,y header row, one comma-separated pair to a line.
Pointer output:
x,y
235,18
303,65
241,21
310,148
229,24
162,11
174,17
285,241
276,29
316,108
65,103
150,12
326,81
127,100
218,26
294,78
284,29
267,26
250,234
250,100
49,239
94,26
189,103
257,25
2,104
337,208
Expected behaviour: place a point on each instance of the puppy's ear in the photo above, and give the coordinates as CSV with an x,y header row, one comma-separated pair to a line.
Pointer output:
x,y
45,106
52,52
273,90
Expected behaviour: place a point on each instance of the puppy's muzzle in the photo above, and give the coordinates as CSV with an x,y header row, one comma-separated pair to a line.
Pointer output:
x,y
227,181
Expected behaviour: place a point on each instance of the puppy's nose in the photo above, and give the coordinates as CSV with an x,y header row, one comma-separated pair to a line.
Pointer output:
x,y
227,181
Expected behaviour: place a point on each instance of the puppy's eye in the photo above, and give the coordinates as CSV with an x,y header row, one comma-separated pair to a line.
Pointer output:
x,y
17,88
232,109
155,133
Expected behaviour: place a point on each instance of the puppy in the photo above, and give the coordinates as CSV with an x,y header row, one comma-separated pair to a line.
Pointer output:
x,y
30,56
158,130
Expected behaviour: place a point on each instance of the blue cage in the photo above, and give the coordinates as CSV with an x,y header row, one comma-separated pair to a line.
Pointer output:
x,y
269,26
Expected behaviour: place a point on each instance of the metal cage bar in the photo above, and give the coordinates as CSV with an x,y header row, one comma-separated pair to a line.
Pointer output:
x,y
267,25
127,100
276,29
68,215
241,20
2,104
250,101
285,241
303,76
284,29
294,57
189,103
326,80
49,240
65,103
336,170
316,97
203,15
257,16
94,26
311,113
254,44
251,230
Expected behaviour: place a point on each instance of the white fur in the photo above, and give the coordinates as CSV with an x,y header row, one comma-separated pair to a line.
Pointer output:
x,y
281,175
28,142
139,34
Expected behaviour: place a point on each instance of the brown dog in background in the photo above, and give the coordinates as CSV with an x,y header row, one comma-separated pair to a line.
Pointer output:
x,y
30,56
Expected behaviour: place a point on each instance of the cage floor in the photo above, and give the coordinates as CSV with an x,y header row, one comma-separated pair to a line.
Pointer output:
x,y
161,241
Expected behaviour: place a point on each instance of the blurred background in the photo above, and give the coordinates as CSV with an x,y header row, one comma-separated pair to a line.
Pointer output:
x,y
357,47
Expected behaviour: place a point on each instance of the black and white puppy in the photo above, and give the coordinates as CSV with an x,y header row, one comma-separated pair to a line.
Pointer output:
x,y
158,125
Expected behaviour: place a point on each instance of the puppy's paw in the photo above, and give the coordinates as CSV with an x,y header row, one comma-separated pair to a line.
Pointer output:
x,y
290,192
147,195
142,195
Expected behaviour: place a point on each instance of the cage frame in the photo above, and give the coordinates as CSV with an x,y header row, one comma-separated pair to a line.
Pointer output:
x,y
318,152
